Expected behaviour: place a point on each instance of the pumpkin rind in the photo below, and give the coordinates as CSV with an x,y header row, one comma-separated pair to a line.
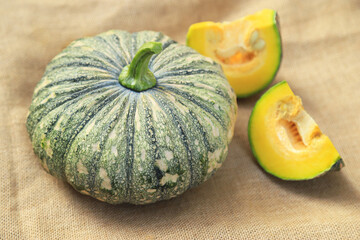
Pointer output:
x,y
118,145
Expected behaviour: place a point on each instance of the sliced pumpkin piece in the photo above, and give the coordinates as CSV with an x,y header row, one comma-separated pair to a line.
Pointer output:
x,y
248,49
286,140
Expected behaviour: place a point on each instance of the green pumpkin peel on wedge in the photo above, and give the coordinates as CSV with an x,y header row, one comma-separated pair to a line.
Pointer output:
x,y
286,141
248,49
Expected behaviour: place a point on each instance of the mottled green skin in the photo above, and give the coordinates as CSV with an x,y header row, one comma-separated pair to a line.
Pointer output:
x,y
119,145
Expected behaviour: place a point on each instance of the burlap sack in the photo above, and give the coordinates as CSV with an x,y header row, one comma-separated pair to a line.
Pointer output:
x,y
321,62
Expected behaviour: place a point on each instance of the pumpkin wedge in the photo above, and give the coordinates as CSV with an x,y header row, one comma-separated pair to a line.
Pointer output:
x,y
248,49
285,139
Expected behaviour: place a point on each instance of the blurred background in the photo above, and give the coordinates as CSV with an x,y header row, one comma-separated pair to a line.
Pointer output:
x,y
321,62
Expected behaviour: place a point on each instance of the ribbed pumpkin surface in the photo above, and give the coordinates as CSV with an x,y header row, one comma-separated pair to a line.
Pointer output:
x,y
119,145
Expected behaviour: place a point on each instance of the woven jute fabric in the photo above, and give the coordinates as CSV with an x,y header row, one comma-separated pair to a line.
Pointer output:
x,y
321,62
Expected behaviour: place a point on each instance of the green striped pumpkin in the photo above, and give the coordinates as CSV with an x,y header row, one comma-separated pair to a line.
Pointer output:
x,y
118,142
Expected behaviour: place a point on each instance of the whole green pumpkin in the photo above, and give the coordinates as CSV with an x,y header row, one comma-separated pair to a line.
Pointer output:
x,y
132,118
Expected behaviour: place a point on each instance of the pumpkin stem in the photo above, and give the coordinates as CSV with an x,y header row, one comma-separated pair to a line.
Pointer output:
x,y
137,75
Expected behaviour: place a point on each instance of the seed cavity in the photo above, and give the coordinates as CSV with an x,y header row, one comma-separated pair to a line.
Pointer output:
x,y
296,128
254,37
258,45
242,51
292,134
230,51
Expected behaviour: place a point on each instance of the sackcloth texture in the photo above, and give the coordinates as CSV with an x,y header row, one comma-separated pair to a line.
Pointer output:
x,y
321,62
